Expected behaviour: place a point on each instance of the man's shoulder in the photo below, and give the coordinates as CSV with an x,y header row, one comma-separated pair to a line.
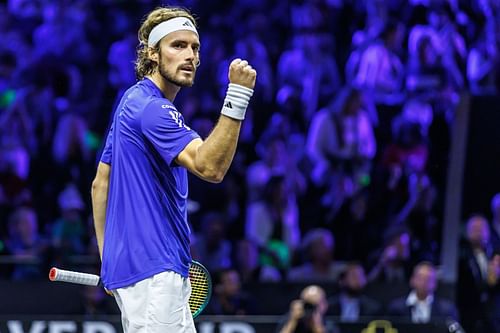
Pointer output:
x,y
160,103
159,108
147,95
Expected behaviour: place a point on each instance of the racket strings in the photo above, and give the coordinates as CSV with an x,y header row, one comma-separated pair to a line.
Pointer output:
x,y
200,286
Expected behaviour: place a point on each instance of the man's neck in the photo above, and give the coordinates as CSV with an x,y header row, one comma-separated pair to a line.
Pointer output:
x,y
168,89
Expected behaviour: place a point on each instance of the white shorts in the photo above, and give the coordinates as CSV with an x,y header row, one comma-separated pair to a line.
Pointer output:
x,y
156,304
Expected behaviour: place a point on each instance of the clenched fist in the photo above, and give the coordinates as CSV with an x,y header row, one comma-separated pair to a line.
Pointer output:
x,y
240,72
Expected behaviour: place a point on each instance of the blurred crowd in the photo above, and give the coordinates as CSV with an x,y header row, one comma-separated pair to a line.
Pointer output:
x,y
342,158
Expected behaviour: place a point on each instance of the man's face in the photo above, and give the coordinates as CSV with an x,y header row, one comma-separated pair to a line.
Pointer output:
x,y
178,57
424,281
478,231
231,283
355,278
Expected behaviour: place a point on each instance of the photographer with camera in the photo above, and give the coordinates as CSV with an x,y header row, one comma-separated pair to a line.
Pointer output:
x,y
306,314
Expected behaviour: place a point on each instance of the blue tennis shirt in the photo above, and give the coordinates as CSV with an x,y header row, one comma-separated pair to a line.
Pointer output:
x,y
146,228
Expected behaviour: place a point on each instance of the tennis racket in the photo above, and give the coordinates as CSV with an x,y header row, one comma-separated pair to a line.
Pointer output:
x,y
201,283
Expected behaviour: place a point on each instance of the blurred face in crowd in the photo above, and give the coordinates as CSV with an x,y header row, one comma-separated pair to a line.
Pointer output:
x,y
25,226
230,283
478,231
423,280
321,249
178,57
354,280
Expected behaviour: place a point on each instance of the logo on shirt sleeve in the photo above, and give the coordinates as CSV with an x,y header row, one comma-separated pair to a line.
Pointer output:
x,y
177,117
168,106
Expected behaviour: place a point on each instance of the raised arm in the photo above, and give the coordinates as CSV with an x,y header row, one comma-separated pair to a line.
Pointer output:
x,y
210,159
100,187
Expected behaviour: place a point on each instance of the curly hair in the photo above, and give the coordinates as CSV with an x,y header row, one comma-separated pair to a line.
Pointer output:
x,y
143,65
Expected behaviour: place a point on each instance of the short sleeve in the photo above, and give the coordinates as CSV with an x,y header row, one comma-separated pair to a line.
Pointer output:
x,y
164,127
107,151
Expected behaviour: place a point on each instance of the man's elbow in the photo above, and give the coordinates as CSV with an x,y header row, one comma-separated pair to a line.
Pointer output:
x,y
210,173
214,176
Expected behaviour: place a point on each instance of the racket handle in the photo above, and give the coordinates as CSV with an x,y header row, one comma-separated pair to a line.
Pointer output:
x,y
57,274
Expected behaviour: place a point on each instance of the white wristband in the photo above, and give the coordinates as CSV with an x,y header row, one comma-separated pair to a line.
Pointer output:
x,y
236,101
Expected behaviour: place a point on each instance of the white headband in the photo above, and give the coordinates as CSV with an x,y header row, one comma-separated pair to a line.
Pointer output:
x,y
166,27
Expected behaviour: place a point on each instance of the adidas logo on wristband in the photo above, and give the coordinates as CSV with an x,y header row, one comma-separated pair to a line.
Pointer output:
x,y
236,101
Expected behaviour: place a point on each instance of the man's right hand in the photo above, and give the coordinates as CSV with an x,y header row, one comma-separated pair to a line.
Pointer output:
x,y
240,72
296,310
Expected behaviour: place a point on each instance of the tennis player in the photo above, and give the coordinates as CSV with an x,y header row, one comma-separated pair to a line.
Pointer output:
x,y
139,193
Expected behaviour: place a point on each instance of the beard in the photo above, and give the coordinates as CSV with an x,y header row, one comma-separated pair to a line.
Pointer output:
x,y
171,77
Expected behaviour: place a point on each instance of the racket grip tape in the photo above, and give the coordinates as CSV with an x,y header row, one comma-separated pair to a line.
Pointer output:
x,y
57,274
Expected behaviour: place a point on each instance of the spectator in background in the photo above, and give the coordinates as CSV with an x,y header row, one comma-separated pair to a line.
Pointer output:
x,y
229,298
417,215
250,267
420,27
473,288
68,231
307,314
70,149
393,263
252,48
210,245
25,244
380,69
121,55
276,157
351,304
17,139
481,62
319,265
453,47
62,33
274,217
341,145
407,154
432,80
314,76
422,305
416,110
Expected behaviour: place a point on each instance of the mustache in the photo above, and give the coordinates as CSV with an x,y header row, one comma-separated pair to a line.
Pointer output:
x,y
189,65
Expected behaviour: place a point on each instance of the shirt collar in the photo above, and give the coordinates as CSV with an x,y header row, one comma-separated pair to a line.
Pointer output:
x,y
149,83
412,299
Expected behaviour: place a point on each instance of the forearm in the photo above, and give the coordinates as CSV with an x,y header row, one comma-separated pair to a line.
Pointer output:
x,y
210,159
99,202
215,154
